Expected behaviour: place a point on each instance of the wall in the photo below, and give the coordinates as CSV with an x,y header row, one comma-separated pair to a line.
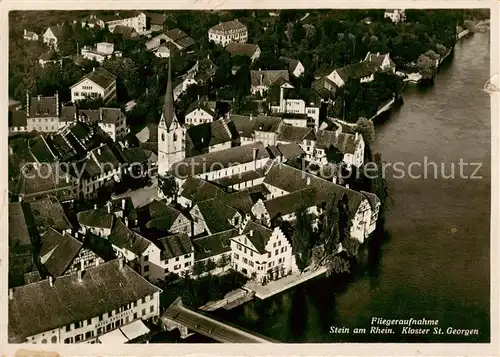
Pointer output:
x,y
198,116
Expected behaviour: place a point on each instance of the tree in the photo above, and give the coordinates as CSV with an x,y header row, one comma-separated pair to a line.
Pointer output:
x,y
366,128
329,228
199,267
210,265
441,50
351,246
302,238
337,264
223,261
426,66
169,186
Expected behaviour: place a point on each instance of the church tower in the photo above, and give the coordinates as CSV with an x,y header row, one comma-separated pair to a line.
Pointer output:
x,y
171,135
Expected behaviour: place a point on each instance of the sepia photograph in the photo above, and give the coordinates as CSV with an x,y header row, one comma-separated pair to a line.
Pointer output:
x,y
285,176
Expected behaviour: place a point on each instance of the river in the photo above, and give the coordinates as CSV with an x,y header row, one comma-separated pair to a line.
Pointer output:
x,y
434,260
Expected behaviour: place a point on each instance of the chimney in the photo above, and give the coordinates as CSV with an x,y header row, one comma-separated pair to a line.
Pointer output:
x,y
11,291
27,103
251,232
25,32
67,178
123,204
95,206
80,276
109,207
126,223
51,281
99,151
308,180
347,185
255,154
93,69
39,97
97,262
126,143
120,262
57,103
64,233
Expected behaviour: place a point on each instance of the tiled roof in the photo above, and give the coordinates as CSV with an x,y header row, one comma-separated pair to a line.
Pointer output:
x,y
215,244
356,71
48,212
290,151
378,59
175,246
176,34
43,107
346,143
125,31
57,251
68,113
216,215
117,204
39,307
244,49
325,139
292,63
46,181
228,26
240,200
208,107
89,115
122,237
197,190
41,150
160,216
57,31
372,198
290,203
134,155
240,177
106,158
246,125
290,133
290,179
184,42
99,76
208,134
99,218
267,78
220,159
111,115
258,235
17,118
18,228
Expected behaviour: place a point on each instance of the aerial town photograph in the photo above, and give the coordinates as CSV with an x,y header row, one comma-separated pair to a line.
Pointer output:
x,y
249,176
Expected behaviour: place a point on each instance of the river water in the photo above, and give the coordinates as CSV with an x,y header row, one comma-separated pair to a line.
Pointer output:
x,y
433,261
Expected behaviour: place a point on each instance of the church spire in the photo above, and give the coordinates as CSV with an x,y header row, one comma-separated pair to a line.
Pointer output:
x,y
168,108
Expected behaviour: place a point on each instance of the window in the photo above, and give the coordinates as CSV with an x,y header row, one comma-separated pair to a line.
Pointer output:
x,y
282,249
166,270
274,245
245,250
186,256
245,260
151,308
100,318
279,243
276,252
89,322
76,94
68,340
236,256
68,328
89,334
251,253
239,247
135,315
186,264
176,259
143,312
146,268
143,300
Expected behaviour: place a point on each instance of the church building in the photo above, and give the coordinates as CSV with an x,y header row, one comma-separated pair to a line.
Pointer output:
x,y
171,135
